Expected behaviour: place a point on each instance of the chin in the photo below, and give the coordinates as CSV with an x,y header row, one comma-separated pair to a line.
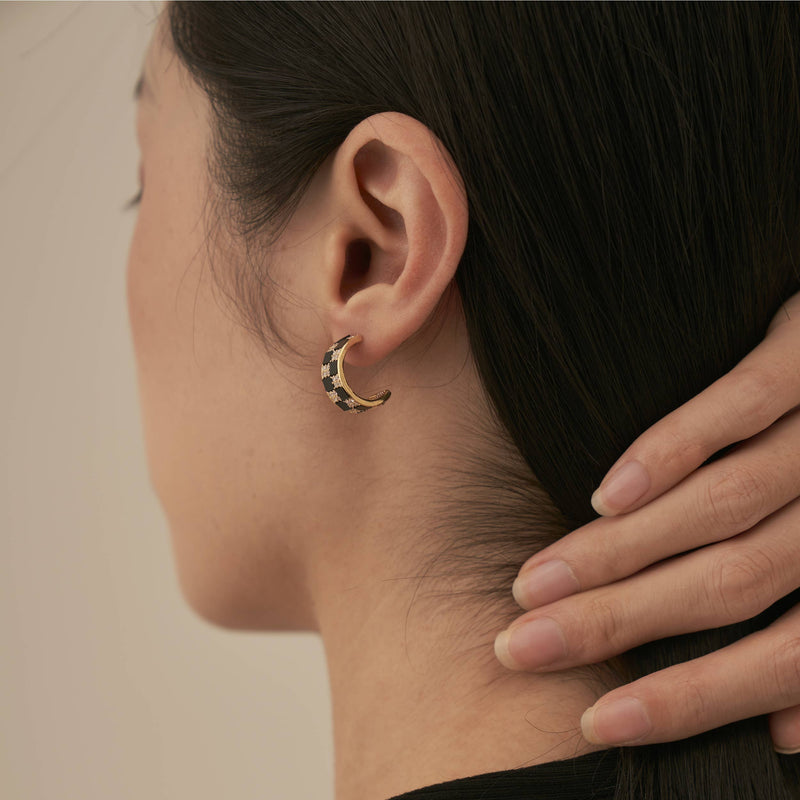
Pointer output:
x,y
230,593
222,611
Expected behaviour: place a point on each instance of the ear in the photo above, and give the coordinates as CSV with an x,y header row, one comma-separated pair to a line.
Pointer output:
x,y
399,231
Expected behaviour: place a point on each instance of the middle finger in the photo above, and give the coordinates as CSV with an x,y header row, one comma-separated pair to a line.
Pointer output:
x,y
711,587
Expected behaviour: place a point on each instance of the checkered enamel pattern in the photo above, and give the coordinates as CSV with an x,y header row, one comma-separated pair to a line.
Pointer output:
x,y
335,384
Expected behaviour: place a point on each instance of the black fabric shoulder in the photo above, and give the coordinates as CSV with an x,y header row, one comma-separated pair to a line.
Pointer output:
x,y
589,777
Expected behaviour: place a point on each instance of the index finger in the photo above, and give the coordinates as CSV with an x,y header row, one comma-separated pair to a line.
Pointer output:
x,y
760,389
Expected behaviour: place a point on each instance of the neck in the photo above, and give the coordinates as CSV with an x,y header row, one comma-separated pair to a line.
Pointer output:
x,y
418,697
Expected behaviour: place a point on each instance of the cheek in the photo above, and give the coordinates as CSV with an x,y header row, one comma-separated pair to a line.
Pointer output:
x,y
216,456
156,344
178,425
163,280
138,276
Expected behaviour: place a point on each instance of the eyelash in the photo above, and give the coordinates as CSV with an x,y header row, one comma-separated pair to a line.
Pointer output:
x,y
134,201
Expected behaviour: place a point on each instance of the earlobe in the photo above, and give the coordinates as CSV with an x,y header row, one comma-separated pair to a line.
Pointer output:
x,y
401,216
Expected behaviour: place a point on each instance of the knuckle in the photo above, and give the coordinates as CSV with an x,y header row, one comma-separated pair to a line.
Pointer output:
x,y
609,558
605,626
742,584
693,704
680,447
784,669
736,498
598,553
755,389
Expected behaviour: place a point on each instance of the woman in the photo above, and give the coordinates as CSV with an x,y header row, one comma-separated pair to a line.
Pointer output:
x,y
541,228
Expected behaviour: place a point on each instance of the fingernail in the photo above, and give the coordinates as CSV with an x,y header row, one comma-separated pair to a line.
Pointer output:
x,y
501,650
625,487
531,645
544,584
618,722
785,729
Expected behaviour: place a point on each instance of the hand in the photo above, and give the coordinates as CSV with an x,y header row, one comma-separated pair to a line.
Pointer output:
x,y
742,511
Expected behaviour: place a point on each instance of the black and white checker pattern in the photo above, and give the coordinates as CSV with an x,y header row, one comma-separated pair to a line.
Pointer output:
x,y
336,387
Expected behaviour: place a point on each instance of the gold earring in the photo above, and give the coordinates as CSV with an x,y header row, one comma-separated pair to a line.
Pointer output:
x,y
336,386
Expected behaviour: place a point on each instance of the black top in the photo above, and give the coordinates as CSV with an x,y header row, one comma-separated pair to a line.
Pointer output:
x,y
589,777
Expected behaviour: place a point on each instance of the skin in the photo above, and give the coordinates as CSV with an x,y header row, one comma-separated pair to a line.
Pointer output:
x,y
285,512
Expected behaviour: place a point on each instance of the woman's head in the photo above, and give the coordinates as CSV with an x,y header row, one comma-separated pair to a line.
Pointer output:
x,y
550,223
317,162
260,476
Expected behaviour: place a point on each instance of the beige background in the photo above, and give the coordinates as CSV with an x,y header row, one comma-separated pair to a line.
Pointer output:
x,y
110,687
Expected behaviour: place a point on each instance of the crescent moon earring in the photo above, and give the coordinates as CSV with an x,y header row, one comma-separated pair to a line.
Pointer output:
x,y
335,384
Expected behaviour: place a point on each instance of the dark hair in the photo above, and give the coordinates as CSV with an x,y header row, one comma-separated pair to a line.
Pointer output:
x,y
633,178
